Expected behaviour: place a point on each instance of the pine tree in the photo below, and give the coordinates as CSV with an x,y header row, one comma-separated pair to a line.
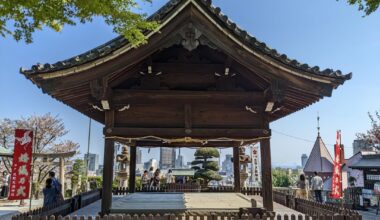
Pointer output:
x,y
206,168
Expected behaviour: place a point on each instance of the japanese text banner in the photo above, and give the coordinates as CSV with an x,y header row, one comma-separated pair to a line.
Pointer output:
x,y
21,165
337,173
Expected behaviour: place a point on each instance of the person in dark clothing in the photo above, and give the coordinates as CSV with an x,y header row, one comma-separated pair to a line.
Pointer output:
x,y
57,186
50,193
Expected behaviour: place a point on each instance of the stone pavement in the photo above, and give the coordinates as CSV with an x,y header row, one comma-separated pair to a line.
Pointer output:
x,y
370,215
278,208
180,202
9,208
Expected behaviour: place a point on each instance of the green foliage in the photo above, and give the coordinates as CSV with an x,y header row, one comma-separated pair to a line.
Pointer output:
x,y
68,193
138,182
207,169
78,171
208,152
115,182
21,19
95,182
281,178
368,6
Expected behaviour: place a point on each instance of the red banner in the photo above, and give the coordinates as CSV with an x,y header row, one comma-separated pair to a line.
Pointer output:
x,y
21,165
337,173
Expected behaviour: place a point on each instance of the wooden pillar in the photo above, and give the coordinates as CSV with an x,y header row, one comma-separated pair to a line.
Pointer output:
x,y
266,174
62,174
132,170
236,160
109,152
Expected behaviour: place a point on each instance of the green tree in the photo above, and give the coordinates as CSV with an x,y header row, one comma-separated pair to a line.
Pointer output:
x,y
20,18
78,173
206,168
281,178
368,6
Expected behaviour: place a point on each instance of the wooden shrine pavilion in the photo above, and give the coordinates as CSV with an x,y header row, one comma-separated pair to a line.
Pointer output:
x,y
199,81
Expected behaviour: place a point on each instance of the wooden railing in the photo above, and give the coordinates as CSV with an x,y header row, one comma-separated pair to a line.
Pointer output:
x,y
310,207
194,217
172,187
189,187
63,208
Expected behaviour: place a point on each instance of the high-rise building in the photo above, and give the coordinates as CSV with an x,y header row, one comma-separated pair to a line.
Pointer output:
x,y
138,156
167,157
179,161
93,161
303,160
150,163
227,165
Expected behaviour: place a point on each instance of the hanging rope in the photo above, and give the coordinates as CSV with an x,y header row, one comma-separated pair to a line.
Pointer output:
x,y
184,139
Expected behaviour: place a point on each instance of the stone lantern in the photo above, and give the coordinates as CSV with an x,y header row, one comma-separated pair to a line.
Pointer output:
x,y
122,173
244,161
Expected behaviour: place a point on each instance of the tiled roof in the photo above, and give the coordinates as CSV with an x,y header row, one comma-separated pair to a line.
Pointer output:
x,y
367,161
320,159
161,15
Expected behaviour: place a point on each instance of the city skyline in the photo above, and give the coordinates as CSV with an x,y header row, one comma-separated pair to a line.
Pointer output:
x,y
319,43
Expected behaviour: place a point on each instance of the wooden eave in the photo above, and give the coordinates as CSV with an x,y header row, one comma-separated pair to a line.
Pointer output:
x,y
301,84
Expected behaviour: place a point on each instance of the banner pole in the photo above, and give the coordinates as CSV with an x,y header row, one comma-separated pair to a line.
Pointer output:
x,y
32,170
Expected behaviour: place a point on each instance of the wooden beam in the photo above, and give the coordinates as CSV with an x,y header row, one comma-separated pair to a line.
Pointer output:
x,y
188,122
132,170
109,152
236,161
153,143
266,171
132,132
123,97
62,174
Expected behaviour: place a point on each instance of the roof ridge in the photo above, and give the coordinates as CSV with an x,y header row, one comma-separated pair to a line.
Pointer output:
x,y
242,35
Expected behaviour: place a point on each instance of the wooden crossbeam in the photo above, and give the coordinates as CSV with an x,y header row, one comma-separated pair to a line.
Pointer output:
x,y
121,96
201,133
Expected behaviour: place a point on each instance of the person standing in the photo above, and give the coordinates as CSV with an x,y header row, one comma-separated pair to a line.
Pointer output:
x,y
5,185
169,177
151,176
303,187
317,187
145,180
50,193
155,185
57,186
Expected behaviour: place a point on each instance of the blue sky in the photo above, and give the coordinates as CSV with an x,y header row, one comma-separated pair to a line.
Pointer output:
x,y
327,33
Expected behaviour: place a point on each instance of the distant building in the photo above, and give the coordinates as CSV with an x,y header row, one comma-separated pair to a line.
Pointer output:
x,y
361,145
303,160
320,161
99,171
369,164
167,157
179,161
227,165
138,156
151,163
93,161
